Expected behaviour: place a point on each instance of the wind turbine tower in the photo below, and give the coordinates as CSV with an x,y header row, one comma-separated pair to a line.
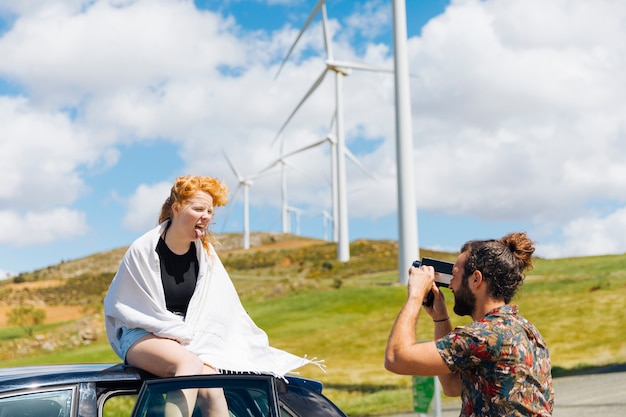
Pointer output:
x,y
408,248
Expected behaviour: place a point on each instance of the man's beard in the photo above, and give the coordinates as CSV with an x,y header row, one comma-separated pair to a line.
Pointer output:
x,y
464,300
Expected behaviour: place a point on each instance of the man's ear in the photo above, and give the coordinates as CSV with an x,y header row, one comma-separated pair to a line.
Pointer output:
x,y
476,279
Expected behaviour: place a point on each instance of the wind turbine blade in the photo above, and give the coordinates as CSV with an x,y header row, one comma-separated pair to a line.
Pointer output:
x,y
294,209
264,171
239,177
293,167
313,145
319,4
358,163
360,66
333,120
365,67
306,96
299,171
327,43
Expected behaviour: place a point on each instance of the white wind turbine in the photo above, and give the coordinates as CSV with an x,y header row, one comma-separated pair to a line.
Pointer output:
x,y
341,69
327,219
286,225
330,138
283,161
297,212
245,183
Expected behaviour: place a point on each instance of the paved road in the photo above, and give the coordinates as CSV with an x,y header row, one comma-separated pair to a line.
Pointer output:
x,y
598,394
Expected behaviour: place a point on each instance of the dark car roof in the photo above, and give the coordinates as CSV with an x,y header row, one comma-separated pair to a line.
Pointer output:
x,y
41,370
41,375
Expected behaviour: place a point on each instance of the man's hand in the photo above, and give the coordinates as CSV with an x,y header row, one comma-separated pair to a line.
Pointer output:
x,y
421,280
439,309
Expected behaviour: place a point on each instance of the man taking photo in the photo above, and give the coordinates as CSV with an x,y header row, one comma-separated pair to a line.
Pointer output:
x,y
499,364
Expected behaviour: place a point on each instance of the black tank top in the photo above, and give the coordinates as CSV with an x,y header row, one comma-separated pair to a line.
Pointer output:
x,y
179,274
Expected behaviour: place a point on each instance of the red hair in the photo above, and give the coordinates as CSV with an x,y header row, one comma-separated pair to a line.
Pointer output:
x,y
185,187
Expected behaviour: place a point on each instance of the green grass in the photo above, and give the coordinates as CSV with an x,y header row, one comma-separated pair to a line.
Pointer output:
x,y
95,353
576,303
10,333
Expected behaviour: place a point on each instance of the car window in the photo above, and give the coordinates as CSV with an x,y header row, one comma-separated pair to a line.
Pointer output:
x,y
55,403
302,402
119,405
245,396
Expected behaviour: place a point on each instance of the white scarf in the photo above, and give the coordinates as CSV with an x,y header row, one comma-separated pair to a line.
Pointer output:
x,y
216,328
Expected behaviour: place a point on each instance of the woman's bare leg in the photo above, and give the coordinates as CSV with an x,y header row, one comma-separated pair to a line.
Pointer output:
x,y
165,358
212,399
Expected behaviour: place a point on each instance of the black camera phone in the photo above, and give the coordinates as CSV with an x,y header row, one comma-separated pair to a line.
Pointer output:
x,y
443,276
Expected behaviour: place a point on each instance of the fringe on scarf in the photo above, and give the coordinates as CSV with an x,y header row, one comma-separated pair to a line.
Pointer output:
x,y
320,363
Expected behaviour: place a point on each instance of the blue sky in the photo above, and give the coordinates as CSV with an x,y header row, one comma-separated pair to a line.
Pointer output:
x,y
518,118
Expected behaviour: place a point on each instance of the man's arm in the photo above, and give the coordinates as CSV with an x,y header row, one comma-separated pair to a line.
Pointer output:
x,y
403,354
450,382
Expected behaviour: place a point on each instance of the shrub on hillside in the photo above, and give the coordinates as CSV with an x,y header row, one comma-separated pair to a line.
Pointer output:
x,y
26,317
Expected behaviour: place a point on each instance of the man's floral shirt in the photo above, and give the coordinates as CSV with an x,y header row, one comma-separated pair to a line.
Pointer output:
x,y
504,365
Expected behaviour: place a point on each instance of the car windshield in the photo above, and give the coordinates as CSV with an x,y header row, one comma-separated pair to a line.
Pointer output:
x,y
244,395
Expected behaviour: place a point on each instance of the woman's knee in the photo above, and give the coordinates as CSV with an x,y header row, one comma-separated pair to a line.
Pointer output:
x,y
209,370
164,358
188,364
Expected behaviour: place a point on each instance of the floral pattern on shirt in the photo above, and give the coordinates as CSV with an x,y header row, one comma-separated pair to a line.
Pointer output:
x,y
504,365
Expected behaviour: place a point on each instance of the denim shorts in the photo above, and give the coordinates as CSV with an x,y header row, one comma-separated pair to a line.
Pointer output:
x,y
129,337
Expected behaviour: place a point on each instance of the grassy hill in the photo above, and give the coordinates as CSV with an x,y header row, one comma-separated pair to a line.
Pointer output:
x,y
309,303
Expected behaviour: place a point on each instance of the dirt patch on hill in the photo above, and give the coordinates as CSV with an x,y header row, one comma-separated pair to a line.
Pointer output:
x,y
49,283
54,314
290,244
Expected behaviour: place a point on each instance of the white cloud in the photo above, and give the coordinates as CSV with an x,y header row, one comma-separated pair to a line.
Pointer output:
x,y
370,19
63,55
144,206
41,154
31,227
521,124
592,235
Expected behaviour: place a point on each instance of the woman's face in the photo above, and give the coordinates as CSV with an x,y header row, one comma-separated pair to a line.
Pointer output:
x,y
192,218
